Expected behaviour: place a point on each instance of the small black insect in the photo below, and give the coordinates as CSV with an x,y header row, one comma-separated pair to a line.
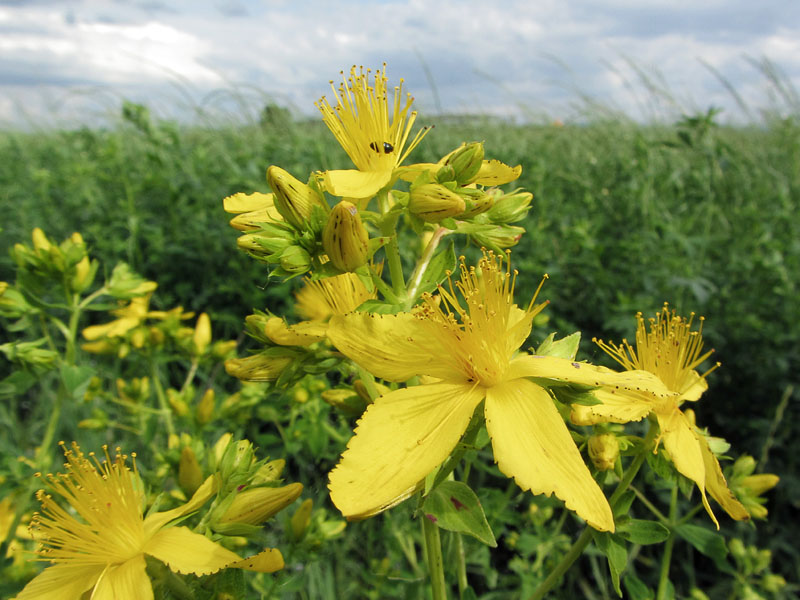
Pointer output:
x,y
387,147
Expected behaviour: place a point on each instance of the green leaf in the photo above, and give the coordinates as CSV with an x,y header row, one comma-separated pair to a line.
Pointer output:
x,y
623,504
453,506
76,379
566,347
640,531
613,547
636,588
17,383
706,542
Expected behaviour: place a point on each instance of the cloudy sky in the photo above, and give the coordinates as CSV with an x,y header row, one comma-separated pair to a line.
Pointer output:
x,y
67,61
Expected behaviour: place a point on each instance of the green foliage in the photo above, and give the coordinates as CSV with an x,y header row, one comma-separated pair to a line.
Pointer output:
x,y
624,217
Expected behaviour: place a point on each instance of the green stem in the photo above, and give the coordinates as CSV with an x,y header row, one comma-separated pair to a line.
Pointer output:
x,y
433,553
163,404
666,557
462,565
422,265
586,536
650,506
389,230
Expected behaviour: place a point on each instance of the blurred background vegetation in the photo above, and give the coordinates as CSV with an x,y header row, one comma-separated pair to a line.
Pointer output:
x,y
625,217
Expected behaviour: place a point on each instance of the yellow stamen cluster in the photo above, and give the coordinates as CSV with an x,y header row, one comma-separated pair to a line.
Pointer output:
x,y
372,137
106,496
670,349
484,332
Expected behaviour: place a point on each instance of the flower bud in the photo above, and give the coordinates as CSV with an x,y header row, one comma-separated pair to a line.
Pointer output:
x,y
300,519
433,202
295,260
476,202
346,401
40,242
604,451
190,474
83,276
758,484
262,245
293,198
344,238
236,460
269,472
255,505
258,367
509,208
202,334
466,162
204,411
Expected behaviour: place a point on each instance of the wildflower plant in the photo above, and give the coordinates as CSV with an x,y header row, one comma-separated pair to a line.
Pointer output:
x,y
431,354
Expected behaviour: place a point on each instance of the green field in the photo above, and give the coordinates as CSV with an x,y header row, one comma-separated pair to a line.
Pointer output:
x,y
625,216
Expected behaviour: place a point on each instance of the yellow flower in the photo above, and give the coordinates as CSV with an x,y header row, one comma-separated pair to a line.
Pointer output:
x,y
467,350
100,545
672,351
373,136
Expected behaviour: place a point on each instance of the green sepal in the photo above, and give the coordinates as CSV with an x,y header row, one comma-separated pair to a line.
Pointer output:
x,y
566,347
453,506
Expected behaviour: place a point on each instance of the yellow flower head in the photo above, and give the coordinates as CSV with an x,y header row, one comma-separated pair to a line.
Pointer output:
x,y
373,134
465,348
100,544
671,350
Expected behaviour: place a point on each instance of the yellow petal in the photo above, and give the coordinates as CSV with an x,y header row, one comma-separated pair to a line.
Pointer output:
x,y
156,521
61,582
128,581
350,183
392,347
242,203
268,561
114,328
696,389
532,444
187,552
302,334
411,172
493,172
683,446
616,407
567,371
717,486
398,441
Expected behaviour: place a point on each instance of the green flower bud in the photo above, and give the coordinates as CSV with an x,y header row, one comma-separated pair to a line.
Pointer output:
x,y
773,583
264,366
190,474
509,208
237,460
604,451
125,284
300,519
433,202
295,260
204,412
346,401
201,337
255,505
263,244
345,238
83,275
466,162
476,202
269,472
293,198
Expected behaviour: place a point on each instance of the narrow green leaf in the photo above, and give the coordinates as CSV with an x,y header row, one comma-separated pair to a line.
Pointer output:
x,y
706,542
613,547
637,589
453,506
640,531
76,379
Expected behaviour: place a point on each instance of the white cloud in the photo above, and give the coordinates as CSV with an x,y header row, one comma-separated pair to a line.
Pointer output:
x,y
481,56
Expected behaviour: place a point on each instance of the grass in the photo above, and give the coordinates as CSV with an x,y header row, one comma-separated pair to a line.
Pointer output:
x,y
625,217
